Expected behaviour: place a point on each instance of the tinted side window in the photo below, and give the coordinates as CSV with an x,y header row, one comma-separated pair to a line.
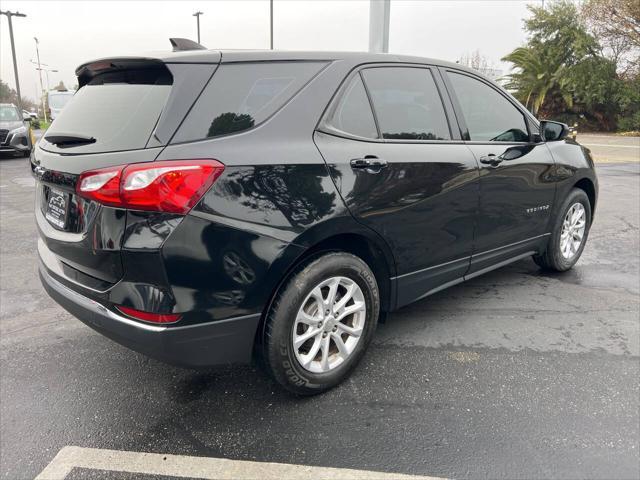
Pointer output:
x,y
242,95
407,103
352,114
489,116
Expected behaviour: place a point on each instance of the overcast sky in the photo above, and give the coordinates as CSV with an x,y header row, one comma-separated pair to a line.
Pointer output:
x,y
72,32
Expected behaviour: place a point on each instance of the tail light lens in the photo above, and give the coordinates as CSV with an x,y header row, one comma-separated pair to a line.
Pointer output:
x,y
173,186
149,316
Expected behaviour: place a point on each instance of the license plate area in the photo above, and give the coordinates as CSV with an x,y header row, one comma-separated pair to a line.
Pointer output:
x,y
57,207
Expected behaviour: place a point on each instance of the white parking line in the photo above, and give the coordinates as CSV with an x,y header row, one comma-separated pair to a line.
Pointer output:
x,y
198,467
612,145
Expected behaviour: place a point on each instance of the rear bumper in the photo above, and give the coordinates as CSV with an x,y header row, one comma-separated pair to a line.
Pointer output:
x,y
228,341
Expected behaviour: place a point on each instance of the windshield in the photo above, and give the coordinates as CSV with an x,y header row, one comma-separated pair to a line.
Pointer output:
x,y
59,100
9,113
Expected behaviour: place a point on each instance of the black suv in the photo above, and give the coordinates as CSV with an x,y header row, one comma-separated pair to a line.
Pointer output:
x,y
206,207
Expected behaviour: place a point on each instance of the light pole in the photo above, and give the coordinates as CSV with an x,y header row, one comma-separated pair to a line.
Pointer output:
x,y
44,108
197,15
13,53
271,24
379,13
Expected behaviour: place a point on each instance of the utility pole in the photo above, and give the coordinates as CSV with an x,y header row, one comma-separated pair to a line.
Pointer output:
x,y
271,24
44,108
197,15
379,13
13,52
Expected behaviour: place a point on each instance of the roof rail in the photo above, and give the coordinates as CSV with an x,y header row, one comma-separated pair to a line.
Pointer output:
x,y
182,44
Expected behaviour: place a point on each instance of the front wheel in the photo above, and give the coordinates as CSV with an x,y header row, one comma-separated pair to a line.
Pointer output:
x,y
320,323
569,234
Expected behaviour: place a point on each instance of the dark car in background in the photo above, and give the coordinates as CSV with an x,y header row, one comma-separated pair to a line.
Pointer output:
x,y
208,207
15,131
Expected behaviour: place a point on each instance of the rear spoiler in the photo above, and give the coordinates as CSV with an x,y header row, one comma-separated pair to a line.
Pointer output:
x,y
184,51
89,70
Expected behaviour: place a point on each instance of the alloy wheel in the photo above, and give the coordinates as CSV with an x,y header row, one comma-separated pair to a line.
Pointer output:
x,y
573,228
329,324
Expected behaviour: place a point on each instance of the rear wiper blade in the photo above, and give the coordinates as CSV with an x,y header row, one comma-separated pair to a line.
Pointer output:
x,y
69,140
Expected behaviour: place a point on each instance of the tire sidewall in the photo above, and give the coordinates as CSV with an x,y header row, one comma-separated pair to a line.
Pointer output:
x,y
280,352
560,262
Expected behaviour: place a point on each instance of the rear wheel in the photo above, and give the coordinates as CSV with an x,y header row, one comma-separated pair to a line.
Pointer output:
x,y
321,323
569,234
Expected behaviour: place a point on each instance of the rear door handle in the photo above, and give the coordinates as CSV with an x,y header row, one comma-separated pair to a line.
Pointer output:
x,y
370,163
491,159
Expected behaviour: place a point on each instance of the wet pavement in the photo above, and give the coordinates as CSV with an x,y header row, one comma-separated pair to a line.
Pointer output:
x,y
516,374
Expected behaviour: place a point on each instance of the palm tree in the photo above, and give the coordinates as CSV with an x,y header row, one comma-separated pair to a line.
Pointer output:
x,y
535,74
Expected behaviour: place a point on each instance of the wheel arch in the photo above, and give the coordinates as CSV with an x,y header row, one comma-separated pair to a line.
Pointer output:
x,y
359,241
586,184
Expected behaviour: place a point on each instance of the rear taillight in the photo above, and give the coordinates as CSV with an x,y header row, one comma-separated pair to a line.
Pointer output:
x,y
149,316
173,186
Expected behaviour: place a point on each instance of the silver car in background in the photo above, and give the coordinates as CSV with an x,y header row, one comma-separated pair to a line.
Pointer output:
x,y
57,101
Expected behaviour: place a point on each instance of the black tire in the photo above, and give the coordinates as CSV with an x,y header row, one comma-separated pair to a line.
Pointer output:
x,y
552,259
278,351
26,153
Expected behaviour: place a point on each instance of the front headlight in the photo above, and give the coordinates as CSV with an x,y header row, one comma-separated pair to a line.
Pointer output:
x,y
18,131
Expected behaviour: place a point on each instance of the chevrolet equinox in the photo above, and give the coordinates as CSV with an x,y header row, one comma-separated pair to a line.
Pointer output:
x,y
208,207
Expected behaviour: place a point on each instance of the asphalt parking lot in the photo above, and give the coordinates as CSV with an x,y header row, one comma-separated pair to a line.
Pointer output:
x,y
516,374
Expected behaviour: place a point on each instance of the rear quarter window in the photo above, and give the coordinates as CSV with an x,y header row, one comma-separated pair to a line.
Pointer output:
x,y
352,114
243,95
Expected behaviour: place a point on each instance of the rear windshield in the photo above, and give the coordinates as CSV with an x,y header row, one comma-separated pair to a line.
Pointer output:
x,y
242,95
119,109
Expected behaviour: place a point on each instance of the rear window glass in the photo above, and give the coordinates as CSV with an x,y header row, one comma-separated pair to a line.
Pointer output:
x,y
240,96
118,109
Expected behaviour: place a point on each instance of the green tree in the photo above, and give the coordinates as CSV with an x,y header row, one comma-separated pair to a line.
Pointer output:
x,y
563,71
9,95
616,24
534,77
557,41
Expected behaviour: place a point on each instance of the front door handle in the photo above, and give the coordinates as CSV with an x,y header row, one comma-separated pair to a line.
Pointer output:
x,y
491,159
370,163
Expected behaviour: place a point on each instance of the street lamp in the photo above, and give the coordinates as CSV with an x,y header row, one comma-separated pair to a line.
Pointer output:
x,y
13,52
197,15
44,108
40,67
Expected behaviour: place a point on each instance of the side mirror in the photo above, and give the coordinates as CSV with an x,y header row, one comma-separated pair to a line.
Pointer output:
x,y
553,131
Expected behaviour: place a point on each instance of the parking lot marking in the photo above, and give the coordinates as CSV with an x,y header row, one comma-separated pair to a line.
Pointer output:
x,y
611,145
205,468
